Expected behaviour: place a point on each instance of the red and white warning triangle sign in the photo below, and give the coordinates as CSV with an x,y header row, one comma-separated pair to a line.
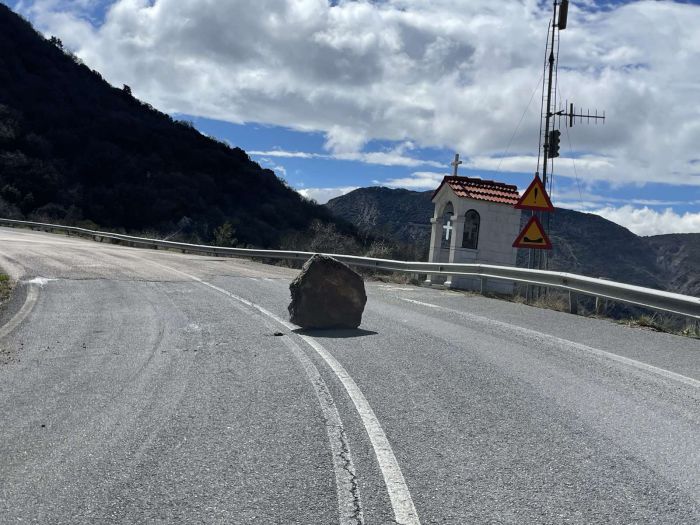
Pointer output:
x,y
533,236
535,197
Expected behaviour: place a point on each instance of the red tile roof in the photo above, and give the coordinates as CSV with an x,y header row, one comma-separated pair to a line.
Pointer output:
x,y
483,190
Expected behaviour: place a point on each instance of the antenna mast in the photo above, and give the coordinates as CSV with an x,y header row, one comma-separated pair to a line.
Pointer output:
x,y
560,12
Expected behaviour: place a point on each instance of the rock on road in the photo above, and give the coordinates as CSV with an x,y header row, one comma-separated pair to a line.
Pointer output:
x,y
141,386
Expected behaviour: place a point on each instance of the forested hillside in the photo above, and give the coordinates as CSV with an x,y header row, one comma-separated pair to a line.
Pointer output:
x,y
77,150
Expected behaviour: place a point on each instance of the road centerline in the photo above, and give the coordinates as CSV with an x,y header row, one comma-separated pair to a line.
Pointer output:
x,y
400,497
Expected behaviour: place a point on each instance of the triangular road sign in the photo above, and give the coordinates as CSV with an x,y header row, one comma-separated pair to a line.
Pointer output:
x,y
535,197
533,236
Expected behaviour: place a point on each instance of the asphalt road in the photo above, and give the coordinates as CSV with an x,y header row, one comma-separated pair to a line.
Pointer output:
x,y
141,386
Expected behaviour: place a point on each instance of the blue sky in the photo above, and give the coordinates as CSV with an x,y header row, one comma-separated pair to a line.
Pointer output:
x,y
334,97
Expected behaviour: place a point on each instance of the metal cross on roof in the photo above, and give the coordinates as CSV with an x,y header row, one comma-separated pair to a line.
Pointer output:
x,y
455,164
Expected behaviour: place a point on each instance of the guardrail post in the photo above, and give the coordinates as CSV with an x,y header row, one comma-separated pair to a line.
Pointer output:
x,y
600,304
573,302
484,283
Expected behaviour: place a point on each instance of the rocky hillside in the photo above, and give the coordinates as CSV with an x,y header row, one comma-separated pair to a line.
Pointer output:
x,y
399,215
678,256
75,149
583,243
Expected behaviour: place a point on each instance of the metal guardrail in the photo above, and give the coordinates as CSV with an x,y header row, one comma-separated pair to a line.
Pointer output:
x,y
577,284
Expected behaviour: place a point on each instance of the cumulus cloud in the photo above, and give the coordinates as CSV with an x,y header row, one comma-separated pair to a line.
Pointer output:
x,y
444,73
323,195
392,157
646,221
419,180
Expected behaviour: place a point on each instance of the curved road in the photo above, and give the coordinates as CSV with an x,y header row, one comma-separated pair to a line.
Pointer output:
x,y
141,386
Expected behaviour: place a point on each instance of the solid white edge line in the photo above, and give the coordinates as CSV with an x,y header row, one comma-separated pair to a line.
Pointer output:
x,y
399,495
565,342
29,302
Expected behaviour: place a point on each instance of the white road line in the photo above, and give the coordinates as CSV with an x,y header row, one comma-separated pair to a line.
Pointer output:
x,y
568,344
401,501
349,501
399,495
420,303
29,302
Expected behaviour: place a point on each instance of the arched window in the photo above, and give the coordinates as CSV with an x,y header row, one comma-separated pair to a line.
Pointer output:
x,y
447,225
471,230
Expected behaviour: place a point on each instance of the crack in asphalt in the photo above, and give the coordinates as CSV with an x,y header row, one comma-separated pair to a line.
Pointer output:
x,y
349,467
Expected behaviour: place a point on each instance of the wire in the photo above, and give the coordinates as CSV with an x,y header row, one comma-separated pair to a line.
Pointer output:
x,y
498,168
544,69
556,90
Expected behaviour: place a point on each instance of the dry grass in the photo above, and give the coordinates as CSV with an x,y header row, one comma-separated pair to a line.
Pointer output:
x,y
5,288
552,301
391,277
660,323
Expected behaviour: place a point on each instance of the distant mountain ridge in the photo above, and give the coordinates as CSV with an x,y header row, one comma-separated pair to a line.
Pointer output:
x,y
396,214
77,150
584,243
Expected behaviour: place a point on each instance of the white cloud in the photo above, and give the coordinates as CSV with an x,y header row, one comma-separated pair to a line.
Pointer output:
x,y
289,154
444,73
419,180
323,195
392,157
645,221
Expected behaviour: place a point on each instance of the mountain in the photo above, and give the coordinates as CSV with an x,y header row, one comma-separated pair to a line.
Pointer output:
x,y
75,149
399,215
584,243
588,244
678,255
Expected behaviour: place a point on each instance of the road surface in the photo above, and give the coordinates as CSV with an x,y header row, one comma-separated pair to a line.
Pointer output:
x,y
143,386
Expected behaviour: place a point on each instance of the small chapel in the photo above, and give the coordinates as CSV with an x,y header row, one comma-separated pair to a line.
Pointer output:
x,y
474,222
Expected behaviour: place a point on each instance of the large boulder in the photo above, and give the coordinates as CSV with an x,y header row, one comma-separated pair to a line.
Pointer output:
x,y
327,294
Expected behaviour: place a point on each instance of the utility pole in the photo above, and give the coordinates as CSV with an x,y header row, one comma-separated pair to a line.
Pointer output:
x,y
551,138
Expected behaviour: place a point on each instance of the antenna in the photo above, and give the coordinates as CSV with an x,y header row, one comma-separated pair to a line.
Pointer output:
x,y
572,114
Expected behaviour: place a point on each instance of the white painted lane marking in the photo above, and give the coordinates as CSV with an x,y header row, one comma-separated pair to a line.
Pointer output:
x,y
29,302
41,281
420,303
399,495
401,501
349,501
569,344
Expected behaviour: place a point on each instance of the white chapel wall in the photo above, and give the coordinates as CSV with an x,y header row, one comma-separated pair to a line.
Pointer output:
x,y
499,226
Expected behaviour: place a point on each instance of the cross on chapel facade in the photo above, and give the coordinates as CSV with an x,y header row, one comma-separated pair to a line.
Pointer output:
x,y
448,228
474,222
